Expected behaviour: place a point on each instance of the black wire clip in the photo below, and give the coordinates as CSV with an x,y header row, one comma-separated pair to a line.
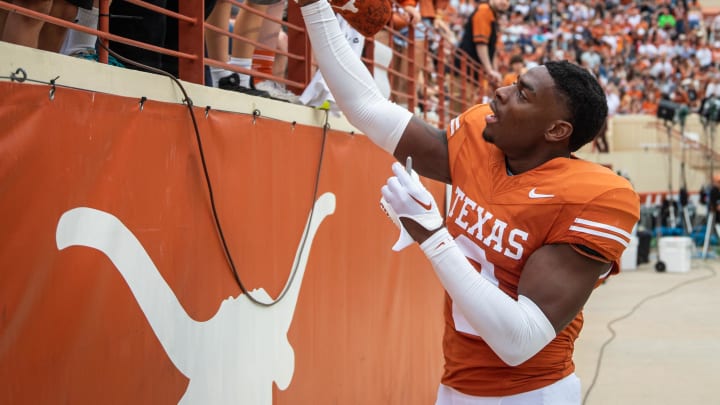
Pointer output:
x,y
207,111
143,99
20,75
256,113
326,126
52,88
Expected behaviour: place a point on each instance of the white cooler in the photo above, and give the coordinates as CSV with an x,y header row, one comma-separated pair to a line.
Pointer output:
x,y
676,253
628,260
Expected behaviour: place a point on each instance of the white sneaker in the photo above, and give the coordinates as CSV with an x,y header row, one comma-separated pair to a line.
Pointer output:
x,y
278,91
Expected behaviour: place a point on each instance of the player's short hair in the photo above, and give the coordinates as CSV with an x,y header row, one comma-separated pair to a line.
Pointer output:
x,y
516,59
584,99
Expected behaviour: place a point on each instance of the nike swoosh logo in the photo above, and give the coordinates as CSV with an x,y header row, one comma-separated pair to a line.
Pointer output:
x,y
535,194
427,206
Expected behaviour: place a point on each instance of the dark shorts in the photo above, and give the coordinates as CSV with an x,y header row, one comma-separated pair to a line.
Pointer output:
x,y
264,2
86,4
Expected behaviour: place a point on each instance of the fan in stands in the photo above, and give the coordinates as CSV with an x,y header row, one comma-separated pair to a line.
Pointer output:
x,y
366,16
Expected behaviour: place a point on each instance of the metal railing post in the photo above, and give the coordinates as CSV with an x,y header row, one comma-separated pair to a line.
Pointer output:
x,y
103,26
191,39
441,84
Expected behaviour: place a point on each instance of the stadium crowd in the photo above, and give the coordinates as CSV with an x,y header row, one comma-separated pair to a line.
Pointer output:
x,y
641,51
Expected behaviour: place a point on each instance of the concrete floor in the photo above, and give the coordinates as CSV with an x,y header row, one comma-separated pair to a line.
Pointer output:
x,y
666,345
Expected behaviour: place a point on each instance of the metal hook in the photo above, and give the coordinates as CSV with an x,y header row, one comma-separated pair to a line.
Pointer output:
x,y
292,125
21,78
51,94
143,99
326,126
256,113
207,111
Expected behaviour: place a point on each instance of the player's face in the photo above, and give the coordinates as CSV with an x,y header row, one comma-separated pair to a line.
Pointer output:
x,y
523,113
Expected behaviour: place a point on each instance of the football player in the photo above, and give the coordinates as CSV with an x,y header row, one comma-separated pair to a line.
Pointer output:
x,y
531,229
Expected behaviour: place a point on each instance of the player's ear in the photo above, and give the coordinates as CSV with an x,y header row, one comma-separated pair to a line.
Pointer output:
x,y
558,131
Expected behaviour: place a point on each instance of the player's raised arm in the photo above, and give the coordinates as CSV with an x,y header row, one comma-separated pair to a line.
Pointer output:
x,y
391,127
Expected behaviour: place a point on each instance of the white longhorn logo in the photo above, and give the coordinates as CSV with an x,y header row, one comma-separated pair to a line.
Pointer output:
x,y
235,356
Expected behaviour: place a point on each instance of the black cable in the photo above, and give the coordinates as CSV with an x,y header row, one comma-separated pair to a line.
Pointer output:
x,y
52,82
218,226
188,102
630,313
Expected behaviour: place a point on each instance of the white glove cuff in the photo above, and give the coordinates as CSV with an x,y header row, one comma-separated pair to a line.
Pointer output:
x,y
515,330
349,81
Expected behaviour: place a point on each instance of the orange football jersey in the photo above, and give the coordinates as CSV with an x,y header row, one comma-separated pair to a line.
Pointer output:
x,y
499,220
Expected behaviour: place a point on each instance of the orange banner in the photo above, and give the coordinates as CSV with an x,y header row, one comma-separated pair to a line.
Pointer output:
x,y
115,287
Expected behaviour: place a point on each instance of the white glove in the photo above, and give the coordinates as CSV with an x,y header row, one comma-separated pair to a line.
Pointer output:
x,y
404,196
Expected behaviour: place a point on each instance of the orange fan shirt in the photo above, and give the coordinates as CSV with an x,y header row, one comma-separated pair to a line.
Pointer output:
x,y
482,23
498,220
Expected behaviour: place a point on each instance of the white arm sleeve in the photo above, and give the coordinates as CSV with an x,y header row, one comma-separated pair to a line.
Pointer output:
x,y
515,330
349,81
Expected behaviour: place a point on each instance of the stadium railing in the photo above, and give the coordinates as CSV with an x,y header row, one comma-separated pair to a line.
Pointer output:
x,y
437,83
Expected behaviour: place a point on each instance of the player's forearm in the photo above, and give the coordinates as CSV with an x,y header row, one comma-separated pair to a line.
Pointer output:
x,y
515,330
349,81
